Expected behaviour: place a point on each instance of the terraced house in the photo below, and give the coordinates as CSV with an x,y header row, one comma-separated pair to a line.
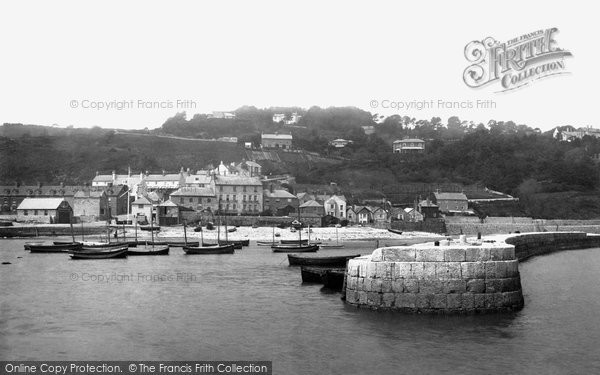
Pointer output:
x,y
196,198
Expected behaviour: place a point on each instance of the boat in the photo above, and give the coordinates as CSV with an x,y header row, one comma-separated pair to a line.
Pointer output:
x,y
149,250
28,244
119,252
322,261
266,243
52,248
395,231
254,226
198,229
96,244
337,244
294,242
215,249
231,230
334,279
210,226
182,243
295,248
150,228
236,245
316,274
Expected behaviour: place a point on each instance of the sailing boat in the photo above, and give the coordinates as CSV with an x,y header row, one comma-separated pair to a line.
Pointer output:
x,y
268,243
217,248
148,248
337,244
298,247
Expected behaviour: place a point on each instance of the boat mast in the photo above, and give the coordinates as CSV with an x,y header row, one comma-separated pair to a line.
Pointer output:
x,y
184,233
71,224
152,229
128,190
82,234
201,232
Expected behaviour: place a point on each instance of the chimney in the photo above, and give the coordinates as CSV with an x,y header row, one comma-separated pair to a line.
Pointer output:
x,y
163,172
97,173
114,175
271,188
39,184
62,184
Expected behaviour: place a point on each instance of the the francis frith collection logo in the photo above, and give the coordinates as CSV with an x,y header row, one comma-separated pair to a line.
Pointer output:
x,y
515,63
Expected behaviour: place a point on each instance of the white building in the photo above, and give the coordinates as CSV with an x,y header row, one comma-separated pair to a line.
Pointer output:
x,y
335,206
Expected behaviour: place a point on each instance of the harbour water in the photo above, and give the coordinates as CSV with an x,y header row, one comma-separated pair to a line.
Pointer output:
x,y
252,306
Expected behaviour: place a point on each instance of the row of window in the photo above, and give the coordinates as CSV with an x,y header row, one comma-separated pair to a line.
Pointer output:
x,y
243,188
245,207
191,200
35,212
250,198
277,200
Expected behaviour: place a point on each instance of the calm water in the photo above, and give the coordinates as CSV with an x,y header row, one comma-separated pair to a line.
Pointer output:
x,y
252,306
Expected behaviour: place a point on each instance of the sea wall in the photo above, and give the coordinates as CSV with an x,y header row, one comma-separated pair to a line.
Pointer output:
x,y
493,225
532,244
452,278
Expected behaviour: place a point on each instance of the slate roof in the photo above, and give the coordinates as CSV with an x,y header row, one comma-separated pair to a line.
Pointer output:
x,y
40,203
413,140
237,180
311,203
276,136
141,200
279,194
192,191
89,194
450,196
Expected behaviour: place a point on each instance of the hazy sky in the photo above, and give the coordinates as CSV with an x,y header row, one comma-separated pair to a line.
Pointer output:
x,y
222,55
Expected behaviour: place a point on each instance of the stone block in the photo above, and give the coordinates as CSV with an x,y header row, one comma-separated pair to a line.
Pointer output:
x,y
479,301
402,270
490,300
454,301
377,255
376,285
439,302
399,254
384,270
398,286
472,270
351,296
454,255
424,301
429,254
362,269
477,254
362,297
417,270
386,286
431,286
352,269
502,253
373,299
387,299
476,286
372,270
458,286
411,286
512,268
493,285
351,282
501,269
429,271
491,270
468,301
406,300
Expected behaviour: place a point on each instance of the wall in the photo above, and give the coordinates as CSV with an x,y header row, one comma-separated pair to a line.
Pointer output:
x,y
454,225
531,244
459,278
430,226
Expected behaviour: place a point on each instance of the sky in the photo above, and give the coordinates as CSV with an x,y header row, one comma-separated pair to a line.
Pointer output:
x,y
134,64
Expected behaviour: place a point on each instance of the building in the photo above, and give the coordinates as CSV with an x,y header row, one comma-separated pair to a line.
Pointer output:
x,y
282,141
279,202
380,216
228,139
312,208
196,198
351,215
142,210
429,210
200,179
163,181
250,168
11,196
451,202
239,195
409,146
412,215
286,119
91,205
45,210
131,181
369,129
222,115
364,215
340,143
335,206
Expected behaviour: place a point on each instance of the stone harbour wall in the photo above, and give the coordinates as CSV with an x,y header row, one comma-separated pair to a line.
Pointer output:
x,y
451,278
531,244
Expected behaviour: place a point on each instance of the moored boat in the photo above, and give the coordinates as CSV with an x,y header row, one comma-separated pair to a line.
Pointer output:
x,y
52,248
294,242
119,252
215,249
150,228
266,243
295,248
322,261
149,250
316,274
395,231
334,279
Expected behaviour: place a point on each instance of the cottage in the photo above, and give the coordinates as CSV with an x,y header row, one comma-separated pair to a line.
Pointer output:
x,y
312,208
451,202
142,210
283,141
364,215
409,146
11,196
412,215
279,202
91,205
351,215
45,210
429,210
380,216
335,206
339,143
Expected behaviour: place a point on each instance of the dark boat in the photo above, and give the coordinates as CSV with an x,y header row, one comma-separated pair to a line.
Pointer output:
x,y
150,228
396,231
266,243
198,229
316,274
119,252
294,242
52,248
149,250
183,243
231,230
215,249
295,248
322,261
100,245
334,279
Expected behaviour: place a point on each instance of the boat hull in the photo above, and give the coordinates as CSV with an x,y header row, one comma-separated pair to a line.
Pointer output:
x,y
216,249
328,261
54,248
334,279
99,254
149,250
295,249
395,231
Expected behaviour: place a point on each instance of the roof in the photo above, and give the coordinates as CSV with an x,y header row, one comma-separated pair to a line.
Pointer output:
x,y
409,140
191,191
167,204
277,136
278,194
40,203
311,203
363,208
164,177
450,196
142,200
427,203
340,197
44,190
120,179
89,194
237,180
198,179
251,163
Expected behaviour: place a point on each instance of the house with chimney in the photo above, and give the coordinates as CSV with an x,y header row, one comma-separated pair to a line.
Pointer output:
x,y
449,202
335,206
196,198
44,210
280,141
239,195
91,205
279,202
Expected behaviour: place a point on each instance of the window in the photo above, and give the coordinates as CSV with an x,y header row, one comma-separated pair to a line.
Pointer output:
x,y
208,200
227,196
234,206
45,212
25,212
341,207
331,206
191,200
235,188
255,189
244,189
289,200
220,188
35,212
244,199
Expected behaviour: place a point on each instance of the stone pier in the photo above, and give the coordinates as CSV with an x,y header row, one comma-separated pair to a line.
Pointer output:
x,y
455,277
